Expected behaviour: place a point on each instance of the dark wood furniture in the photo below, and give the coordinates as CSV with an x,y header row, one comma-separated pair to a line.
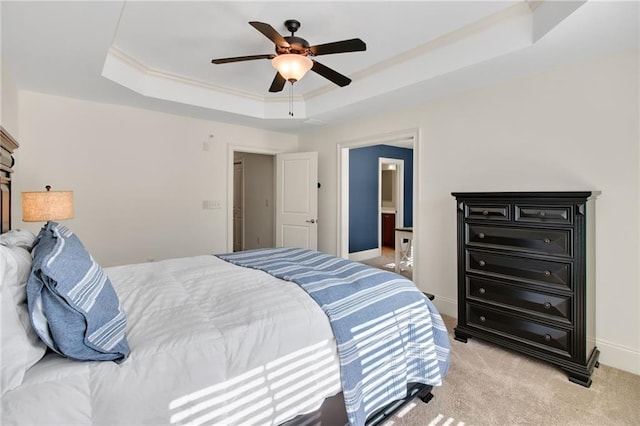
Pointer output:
x,y
389,230
526,275
7,147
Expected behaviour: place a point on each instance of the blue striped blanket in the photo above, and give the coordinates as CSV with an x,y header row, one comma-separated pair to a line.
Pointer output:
x,y
388,333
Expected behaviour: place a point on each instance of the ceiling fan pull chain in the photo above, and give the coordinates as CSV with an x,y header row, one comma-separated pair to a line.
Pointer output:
x,y
291,100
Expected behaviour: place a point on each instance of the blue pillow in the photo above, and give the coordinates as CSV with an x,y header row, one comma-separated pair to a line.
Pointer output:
x,y
72,304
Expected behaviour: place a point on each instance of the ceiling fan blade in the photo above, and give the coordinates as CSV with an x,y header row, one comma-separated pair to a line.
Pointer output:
x,y
270,33
278,83
241,58
344,46
330,74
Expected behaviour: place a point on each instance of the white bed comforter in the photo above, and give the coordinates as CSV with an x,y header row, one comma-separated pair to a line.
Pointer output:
x,y
211,343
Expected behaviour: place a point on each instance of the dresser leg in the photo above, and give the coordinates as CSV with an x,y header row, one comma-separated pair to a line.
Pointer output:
x,y
581,379
460,335
583,376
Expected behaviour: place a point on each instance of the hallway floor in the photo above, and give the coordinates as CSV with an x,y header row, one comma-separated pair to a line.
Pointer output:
x,y
387,262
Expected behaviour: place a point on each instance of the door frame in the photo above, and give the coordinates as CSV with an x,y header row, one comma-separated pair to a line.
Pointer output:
x,y
231,149
408,138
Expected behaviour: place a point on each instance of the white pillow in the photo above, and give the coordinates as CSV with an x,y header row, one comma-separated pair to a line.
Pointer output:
x,y
18,238
21,347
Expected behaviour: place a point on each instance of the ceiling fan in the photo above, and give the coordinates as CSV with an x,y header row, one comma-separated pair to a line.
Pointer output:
x,y
292,57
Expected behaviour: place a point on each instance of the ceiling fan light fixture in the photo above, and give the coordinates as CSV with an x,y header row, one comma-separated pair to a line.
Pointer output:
x,y
291,66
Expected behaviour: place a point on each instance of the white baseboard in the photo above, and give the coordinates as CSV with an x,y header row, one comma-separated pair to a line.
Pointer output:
x,y
364,255
617,356
448,307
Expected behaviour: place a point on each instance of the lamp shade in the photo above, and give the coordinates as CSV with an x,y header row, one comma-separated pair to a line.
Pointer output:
x,y
43,206
291,66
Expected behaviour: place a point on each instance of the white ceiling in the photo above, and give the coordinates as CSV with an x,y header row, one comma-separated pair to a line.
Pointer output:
x,y
157,55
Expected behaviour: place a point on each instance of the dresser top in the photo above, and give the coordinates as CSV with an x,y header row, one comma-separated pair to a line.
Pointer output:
x,y
528,194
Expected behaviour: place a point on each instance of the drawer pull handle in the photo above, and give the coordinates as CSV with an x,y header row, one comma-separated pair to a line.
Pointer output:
x,y
482,262
547,337
546,240
482,290
481,235
482,318
547,305
542,214
485,212
547,273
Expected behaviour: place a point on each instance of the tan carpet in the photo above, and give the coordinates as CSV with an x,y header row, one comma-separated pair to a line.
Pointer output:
x,y
489,385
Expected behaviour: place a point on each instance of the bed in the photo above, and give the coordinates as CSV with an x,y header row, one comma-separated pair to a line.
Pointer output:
x,y
239,338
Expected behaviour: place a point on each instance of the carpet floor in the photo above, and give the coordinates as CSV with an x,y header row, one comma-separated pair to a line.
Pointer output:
x,y
490,385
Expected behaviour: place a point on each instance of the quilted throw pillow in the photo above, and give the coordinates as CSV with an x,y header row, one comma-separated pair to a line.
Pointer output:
x,y
72,304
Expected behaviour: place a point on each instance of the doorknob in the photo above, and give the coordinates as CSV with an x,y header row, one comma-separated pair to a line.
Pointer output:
x,y
311,221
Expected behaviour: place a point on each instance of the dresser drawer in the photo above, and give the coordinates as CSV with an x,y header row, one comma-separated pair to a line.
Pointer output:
x,y
544,214
544,241
488,211
557,274
543,336
557,307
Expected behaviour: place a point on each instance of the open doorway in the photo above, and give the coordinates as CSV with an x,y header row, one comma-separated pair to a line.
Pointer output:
x,y
253,197
261,196
347,218
390,201
391,176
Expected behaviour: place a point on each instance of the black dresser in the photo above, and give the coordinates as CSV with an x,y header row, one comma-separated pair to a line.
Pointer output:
x,y
526,275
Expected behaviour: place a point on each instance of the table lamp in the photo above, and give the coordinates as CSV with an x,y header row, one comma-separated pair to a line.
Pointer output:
x,y
43,206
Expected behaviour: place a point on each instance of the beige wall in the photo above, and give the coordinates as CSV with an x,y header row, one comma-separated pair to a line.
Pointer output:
x,y
139,177
9,101
572,128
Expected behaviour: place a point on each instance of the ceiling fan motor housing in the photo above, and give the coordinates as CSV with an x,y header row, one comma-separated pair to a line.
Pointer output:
x,y
297,45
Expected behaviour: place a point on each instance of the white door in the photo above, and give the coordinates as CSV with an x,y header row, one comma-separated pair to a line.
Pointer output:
x,y
297,200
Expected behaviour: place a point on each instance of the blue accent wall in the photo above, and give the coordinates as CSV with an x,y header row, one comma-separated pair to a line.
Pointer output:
x,y
363,193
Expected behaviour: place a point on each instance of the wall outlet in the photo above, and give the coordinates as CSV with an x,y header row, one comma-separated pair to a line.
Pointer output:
x,y
211,204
